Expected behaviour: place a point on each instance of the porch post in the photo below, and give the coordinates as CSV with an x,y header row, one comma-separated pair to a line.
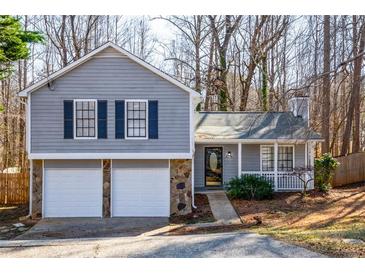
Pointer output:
x,y
306,161
306,154
311,160
276,165
239,159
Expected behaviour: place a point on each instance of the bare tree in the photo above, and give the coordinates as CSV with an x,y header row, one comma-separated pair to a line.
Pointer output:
x,y
227,26
326,93
354,105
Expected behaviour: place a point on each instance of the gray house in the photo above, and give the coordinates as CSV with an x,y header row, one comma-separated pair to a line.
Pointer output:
x,y
111,136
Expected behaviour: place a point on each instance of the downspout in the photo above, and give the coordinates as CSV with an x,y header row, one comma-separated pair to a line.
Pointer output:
x,y
27,142
30,189
192,149
192,183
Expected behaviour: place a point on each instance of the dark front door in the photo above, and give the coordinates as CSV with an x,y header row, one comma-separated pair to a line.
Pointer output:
x,y
213,167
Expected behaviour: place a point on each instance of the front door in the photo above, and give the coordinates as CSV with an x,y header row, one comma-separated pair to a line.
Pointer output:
x,y
213,167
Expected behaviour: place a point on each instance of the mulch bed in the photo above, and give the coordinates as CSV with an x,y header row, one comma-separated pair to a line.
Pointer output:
x,y
201,214
10,215
257,212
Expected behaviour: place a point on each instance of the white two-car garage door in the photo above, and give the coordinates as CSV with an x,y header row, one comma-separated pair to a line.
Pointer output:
x,y
140,188
72,188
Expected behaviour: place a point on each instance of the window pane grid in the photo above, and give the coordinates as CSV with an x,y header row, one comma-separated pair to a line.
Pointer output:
x,y
136,119
85,119
267,158
285,158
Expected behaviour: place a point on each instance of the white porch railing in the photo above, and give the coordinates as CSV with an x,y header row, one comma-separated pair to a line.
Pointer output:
x,y
285,181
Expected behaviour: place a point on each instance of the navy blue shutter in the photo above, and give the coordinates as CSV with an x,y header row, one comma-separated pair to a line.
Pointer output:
x,y
102,119
68,115
153,119
119,119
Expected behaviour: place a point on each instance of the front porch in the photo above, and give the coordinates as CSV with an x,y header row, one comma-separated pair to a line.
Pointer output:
x,y
278,162
280,170
284,181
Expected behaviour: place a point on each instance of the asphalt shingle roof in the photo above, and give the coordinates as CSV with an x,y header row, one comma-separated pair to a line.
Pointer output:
x,y
252,125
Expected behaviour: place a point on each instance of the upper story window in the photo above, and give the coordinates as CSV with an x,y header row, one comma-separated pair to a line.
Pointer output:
x,y
136,113
85,119
285,158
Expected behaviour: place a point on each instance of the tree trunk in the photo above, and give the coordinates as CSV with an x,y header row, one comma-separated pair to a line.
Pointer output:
x,y
264,87
354,104
326,93
356,92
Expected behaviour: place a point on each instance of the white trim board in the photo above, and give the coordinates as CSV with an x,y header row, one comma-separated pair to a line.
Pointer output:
x,y
82,60
132,156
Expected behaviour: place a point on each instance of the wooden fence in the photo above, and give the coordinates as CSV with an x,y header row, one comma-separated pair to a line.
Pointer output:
x,y
351,169
14,188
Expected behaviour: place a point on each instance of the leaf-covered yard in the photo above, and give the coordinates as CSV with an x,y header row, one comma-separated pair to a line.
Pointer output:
x,y
331,224
10,215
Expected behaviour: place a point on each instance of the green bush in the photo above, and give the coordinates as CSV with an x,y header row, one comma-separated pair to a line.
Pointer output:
x,y
324,168
250,187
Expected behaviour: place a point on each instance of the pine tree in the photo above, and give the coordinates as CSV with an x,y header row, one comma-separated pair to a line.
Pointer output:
x,y
14,43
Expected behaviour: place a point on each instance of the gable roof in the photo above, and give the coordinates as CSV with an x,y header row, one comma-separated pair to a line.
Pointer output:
x,y
85,58
252,125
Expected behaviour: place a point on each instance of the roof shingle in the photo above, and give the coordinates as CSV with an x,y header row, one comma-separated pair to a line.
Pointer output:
x,y
252,125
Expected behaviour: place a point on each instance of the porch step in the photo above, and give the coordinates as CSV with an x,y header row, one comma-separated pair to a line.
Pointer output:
x,y
204,190
222,208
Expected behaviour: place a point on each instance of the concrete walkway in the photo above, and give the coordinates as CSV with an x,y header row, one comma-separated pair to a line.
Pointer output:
x,y
222,208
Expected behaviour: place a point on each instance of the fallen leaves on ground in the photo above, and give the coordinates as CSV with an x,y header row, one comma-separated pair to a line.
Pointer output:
x,y
317,221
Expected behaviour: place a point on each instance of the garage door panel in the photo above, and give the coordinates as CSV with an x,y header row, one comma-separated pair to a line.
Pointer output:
x,y
140,192
71,192
72,212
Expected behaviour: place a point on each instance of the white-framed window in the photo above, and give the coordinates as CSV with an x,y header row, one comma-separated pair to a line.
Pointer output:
x,y
85,119
267,158
136,113
285,158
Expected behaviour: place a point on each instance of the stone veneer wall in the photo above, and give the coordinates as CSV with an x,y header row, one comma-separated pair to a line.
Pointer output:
x,y
180,186
37,180
106,188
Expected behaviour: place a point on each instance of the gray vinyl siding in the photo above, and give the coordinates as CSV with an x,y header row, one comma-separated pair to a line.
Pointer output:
x,y
300,155
137,164
70,164
110,79
251,156
230,165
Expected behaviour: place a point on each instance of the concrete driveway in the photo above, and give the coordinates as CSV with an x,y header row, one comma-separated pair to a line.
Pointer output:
x,y
237,244
70,228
